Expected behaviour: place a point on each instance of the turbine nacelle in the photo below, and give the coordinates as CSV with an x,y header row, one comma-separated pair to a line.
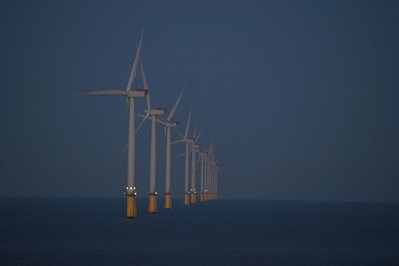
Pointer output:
x,y
142,90
188,141
158,111
197,146
172,123
137,93
163,109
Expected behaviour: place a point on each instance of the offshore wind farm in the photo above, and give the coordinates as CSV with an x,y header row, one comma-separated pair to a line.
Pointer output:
x,y
220,133
155,116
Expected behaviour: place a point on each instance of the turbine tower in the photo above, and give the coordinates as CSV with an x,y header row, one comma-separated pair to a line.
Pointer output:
x,y
130,96
153,114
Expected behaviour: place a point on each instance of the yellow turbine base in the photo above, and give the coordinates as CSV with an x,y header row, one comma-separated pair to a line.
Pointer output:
x,y
131,207
193,198
186,199
168,201
152,206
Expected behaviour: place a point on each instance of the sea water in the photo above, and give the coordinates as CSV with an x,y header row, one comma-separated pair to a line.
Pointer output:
x,y
66,231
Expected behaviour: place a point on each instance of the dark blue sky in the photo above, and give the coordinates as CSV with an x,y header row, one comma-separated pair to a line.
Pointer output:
x,y
301,96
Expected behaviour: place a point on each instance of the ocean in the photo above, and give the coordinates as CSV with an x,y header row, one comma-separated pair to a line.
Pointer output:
x,y
84,231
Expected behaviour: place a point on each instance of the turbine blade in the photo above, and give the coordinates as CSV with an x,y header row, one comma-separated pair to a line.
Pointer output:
x,y
211,145
160,122
142,122
188,124
180,134
103,93
177,141
124,149
172,112
150,118
135,63
199,135
148,101
211,149
179,156
147,98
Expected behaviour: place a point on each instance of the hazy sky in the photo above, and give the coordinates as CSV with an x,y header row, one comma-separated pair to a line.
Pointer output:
x,y
301,96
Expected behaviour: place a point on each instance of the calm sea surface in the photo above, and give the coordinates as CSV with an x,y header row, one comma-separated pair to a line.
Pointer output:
x,y
54,231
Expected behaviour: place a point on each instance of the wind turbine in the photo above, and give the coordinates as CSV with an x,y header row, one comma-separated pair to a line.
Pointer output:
x,y
168,124
205,191
203,170
130,96
195,148
152,114
212,186
187,143
213,172
207,178
216,179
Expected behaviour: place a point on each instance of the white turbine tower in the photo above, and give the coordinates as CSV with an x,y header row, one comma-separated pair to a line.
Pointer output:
x,y
130,96
152,114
